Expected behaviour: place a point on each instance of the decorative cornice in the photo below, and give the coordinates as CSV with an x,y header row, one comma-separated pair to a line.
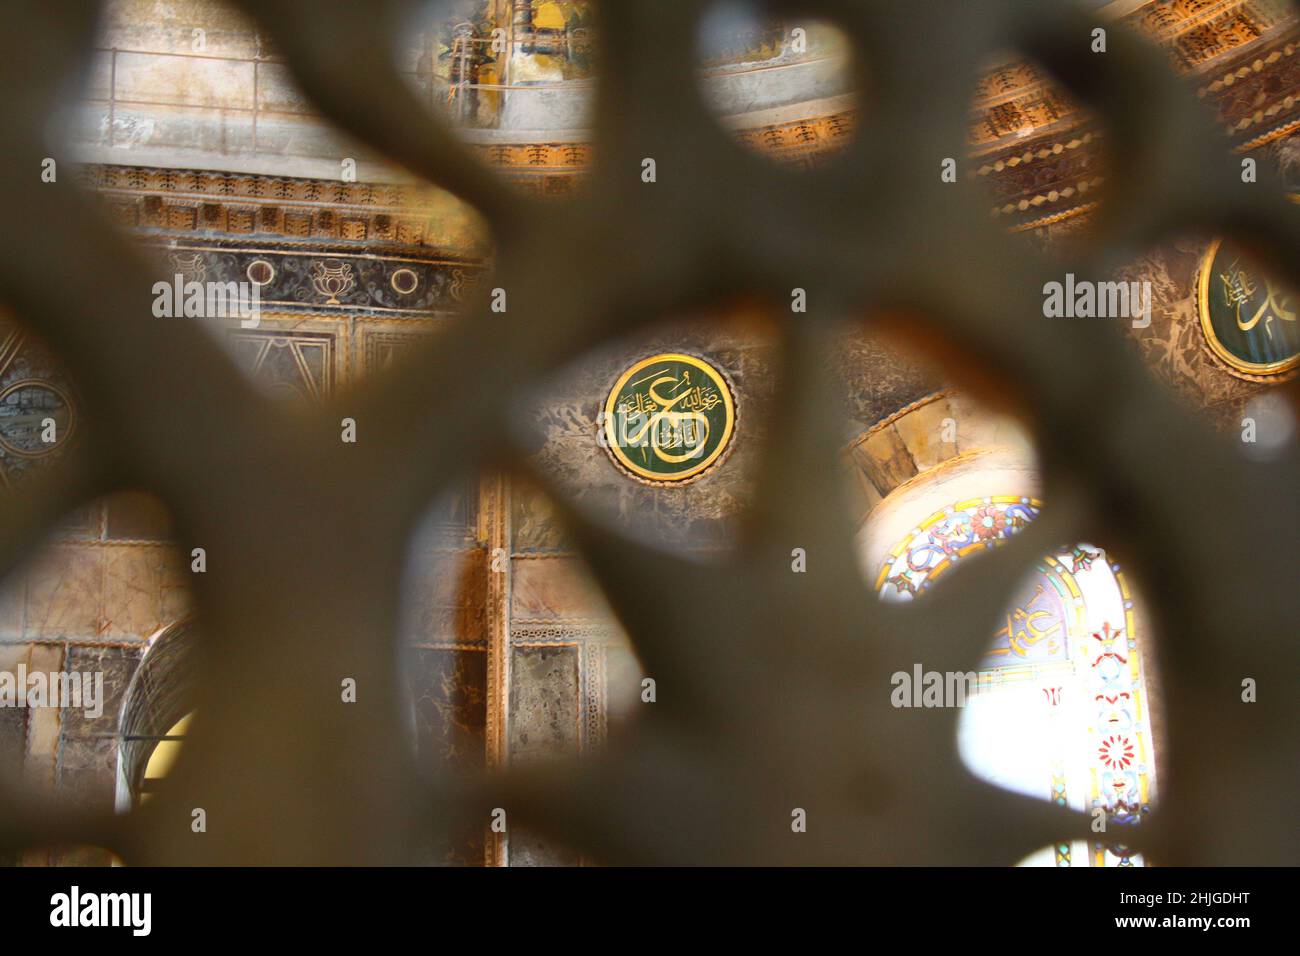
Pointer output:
x,y
1071,213
327,279
182,202
1055,166
1258,65
894,416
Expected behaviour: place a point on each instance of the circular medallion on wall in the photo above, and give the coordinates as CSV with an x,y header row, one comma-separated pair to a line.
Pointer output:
x,y
404,281
36,418
260,272
1249,322
669,418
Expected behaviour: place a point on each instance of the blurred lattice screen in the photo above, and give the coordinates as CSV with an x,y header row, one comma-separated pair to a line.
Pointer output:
x,y
773,693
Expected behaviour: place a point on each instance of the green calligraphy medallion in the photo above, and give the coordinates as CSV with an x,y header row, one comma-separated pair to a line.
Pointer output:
x,y
669,417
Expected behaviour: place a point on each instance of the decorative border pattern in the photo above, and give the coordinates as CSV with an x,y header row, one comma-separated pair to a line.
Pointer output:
x,y
330,278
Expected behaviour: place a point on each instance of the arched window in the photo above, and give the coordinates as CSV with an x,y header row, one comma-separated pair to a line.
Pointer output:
x,y
1061,709
155,712
166,749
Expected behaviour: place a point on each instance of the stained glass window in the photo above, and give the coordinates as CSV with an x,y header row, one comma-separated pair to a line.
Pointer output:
x,y
1060,710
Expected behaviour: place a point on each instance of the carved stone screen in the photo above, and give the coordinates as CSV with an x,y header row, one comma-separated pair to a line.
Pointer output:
x,y
511,432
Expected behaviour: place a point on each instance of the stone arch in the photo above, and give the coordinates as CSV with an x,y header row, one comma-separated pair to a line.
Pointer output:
x,y
914,440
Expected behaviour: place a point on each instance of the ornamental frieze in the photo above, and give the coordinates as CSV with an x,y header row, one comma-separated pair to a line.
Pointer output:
x,y
328,280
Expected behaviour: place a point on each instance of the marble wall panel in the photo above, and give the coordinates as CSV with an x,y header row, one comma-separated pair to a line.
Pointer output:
x,y
13,752
447,598
170,80
449,690
12,598
65,593
87,591
554,588
132,597
449,695
545,723
86,765
545,703
137,516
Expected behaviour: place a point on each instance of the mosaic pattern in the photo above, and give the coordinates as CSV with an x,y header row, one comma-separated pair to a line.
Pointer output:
x,y
949,535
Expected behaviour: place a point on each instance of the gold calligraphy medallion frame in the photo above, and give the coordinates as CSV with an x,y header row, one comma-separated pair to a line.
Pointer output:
x,y
1251,371
61,442
644,475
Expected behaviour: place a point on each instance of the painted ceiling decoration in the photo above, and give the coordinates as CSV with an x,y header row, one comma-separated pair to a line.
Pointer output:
x,y
1038,151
